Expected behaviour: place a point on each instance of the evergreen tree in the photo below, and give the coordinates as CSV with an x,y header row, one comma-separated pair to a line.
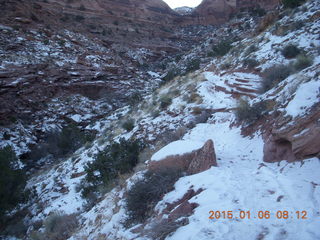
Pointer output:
x,y
12,181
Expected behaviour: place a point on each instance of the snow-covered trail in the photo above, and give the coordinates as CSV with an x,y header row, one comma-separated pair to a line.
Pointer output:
x,y
242,182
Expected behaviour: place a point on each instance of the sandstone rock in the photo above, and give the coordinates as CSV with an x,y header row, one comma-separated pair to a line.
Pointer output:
x,y
267,20
278,150
76,175
295,139
182,207
187,196
183,210
194,162
220,11
203,159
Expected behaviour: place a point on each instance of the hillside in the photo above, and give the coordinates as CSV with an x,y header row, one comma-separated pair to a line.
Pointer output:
x,y
230,124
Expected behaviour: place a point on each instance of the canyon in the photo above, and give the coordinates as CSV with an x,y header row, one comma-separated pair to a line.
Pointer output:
x,y
80,80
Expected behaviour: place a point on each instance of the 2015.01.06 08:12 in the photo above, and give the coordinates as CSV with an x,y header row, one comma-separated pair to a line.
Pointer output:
x,y
259,215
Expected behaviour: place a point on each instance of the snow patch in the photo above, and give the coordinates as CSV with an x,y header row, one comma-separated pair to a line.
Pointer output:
x,y
177,148
306,96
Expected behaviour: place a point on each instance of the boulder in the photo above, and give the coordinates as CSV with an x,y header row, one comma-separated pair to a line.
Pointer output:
x,y
203,159
195,162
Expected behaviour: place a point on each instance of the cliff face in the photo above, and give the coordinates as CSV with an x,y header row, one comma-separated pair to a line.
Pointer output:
x,y
95,50
147,23
128,21
220,11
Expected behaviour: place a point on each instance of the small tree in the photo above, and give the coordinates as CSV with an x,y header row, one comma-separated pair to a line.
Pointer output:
x,y
302,62
144,194
250,63
165,101
274,75
193,65
12,181
290,51
117,158
247,113
57,226
222,48
128,125
171,74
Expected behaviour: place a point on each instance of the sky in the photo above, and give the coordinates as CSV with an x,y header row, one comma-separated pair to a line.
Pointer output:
x,y
180,3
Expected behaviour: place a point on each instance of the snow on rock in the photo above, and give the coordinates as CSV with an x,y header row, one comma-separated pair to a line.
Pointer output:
x,y
306,96
76,117
177,148
243,183
246,187
221,91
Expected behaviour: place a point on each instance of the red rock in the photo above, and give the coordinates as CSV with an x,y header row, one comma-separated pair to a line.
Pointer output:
x,y
293,139
203,159
187,196
220,11
76,175
183,210
275,151
194,162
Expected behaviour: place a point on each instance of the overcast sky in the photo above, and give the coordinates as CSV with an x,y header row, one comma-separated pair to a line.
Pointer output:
x,y
180,3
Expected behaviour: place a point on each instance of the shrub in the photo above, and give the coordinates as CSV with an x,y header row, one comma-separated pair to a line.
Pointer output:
x,y
117,158
165,101
12,182
290,51
297,25
67,141
246,113
57,226
225,66
192,98
292,3
196,110
250,63
193,65
145,193
302,62
259,12
274,75
135,98
171,74
155,113
128,125
222,48
58,144
251,49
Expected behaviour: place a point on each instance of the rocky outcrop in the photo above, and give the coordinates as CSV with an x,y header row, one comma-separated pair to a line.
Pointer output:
x,y
293,140
220,11
128,21
194,162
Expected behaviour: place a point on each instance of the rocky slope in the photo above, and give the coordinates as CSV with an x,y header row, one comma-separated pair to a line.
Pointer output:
x,y
84,51
96,53
220,11
230,164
